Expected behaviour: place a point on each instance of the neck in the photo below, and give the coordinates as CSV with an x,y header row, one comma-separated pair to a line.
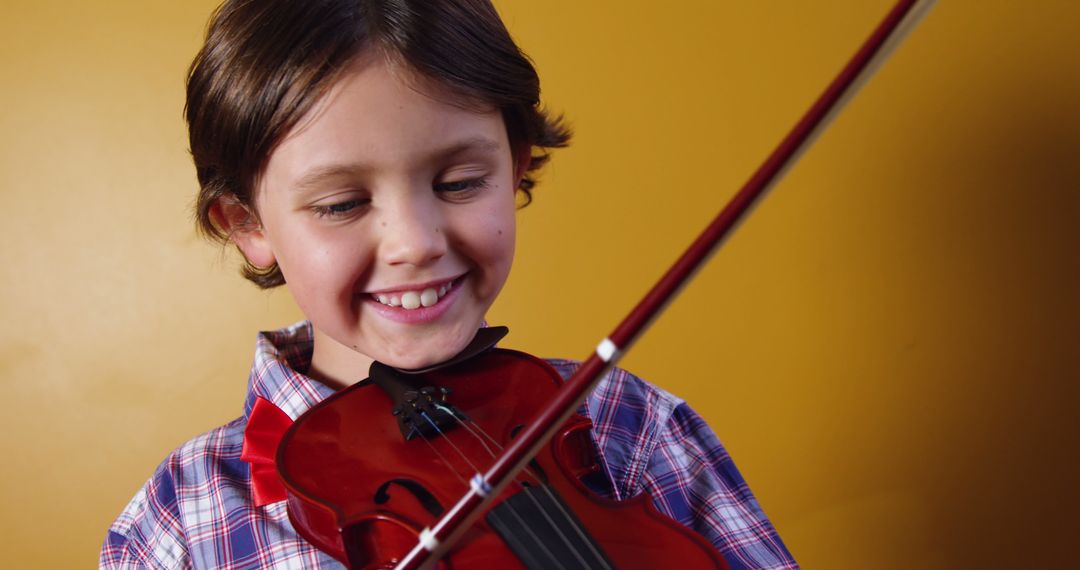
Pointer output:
x,y
335,364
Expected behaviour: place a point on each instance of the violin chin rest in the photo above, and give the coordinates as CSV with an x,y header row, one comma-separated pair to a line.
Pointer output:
x,y
485,340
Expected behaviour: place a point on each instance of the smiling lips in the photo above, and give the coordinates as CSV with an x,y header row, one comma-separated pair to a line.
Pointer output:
x,y
414,299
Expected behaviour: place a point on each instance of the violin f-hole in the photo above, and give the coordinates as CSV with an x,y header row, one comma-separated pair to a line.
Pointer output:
x,y
418,491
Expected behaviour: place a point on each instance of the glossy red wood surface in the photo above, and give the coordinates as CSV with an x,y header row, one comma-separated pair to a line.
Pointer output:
x,y
337,455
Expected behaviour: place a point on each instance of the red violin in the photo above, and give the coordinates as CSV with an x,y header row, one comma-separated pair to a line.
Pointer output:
x,y
481,462
368,469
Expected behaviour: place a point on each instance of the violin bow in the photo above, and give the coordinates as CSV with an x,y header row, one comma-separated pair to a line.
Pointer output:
x,y
436,541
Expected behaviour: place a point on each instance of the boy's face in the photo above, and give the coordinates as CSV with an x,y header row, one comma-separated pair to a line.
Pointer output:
x,y
381,199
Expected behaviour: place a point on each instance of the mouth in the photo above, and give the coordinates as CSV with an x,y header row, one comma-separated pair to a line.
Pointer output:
x,y
424,296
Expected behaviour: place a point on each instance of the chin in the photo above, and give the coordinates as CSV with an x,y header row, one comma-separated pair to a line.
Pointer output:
x,y
414,361
440,350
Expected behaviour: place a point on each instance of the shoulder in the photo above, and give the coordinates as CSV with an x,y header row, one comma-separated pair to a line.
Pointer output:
x,y
693,480
620,390
629,417
652,441
201,475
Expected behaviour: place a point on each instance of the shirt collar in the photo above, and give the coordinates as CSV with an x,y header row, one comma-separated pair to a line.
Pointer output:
x,y
276,374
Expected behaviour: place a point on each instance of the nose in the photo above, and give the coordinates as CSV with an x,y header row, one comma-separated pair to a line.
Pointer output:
x,y
413,233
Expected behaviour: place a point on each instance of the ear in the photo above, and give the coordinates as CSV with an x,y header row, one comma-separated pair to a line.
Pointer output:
x,y
243,228
522,159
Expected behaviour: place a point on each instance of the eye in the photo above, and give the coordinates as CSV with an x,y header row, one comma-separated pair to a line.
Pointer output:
x,y
461,188
339,209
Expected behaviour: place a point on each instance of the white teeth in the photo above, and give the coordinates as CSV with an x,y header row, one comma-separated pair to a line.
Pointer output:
x,y
415,299
410,300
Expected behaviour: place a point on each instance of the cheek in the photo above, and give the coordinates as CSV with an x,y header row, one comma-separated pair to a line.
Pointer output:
x,y
323,265
484,240
506,237
491,239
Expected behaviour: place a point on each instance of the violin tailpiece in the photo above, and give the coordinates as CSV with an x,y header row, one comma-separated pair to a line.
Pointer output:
x,y
420,410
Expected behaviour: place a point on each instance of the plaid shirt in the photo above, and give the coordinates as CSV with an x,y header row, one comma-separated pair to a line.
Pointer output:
x,y
196,511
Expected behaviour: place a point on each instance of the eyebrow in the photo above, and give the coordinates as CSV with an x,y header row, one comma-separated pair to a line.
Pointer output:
x,y
322,173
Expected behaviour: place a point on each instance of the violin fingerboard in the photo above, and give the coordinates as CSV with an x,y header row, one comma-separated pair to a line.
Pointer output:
x,y
539,527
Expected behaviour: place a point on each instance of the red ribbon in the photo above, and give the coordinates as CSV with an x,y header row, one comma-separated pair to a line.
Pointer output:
x,y
265,428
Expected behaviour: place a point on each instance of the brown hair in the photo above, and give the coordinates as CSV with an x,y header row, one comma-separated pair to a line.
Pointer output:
x,y
266,62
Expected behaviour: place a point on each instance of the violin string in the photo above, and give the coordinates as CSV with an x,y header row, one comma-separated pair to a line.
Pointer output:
x,y
442,458
577,529
547,490
467,425
536,538
450,442
558,530
510,506
480,434
511,509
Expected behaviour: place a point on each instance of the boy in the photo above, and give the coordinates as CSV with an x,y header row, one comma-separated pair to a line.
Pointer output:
x,y
368,154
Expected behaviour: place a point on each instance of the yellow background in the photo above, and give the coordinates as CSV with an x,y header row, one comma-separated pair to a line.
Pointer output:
x,y
886,347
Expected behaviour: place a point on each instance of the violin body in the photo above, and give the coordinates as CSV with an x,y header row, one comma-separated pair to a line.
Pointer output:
x,y
361,491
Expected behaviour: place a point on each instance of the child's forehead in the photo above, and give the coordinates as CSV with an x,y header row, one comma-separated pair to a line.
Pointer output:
x,y
378,64
380,113
376,78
